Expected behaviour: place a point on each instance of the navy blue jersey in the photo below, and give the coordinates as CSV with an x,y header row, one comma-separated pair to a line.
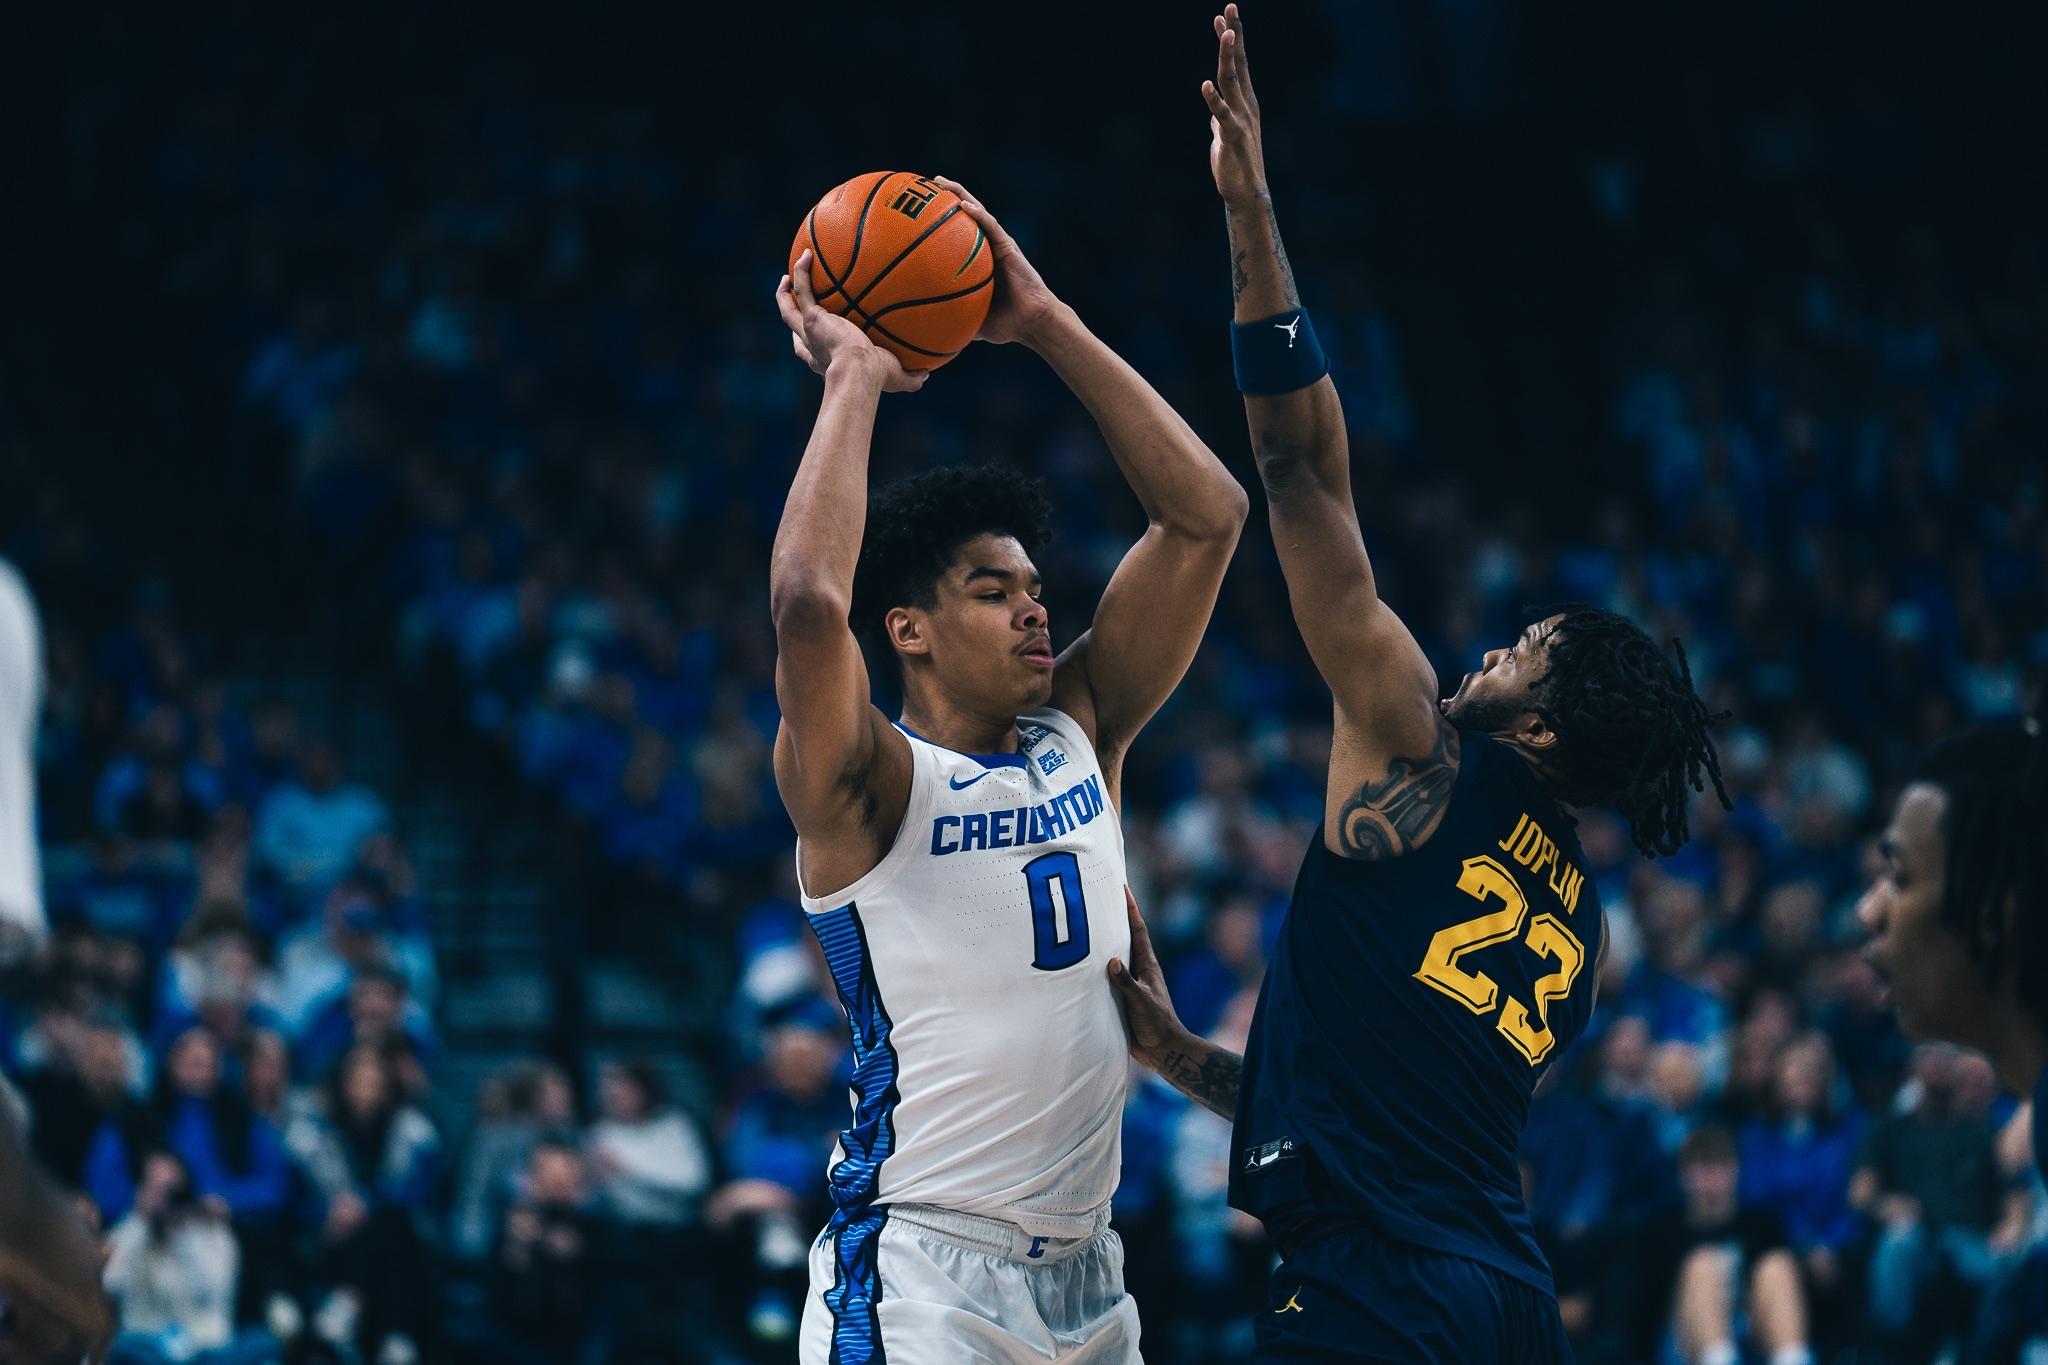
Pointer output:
x,y
1410,1009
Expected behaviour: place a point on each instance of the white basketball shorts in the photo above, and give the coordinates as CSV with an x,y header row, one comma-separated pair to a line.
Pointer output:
x,y
915,1285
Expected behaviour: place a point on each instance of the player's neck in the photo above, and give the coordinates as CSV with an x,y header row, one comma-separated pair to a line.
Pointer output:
x,y
2021,1047
951,726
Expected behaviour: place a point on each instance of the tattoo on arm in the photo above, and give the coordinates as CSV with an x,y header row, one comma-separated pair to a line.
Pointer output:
x,y
1393,815
1210,1080
1280,255
1240,252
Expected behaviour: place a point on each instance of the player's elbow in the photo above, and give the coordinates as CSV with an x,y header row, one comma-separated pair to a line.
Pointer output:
x,y
804,605
1216,518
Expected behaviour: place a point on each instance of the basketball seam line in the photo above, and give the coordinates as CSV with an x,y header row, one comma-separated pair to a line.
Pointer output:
x,y
872,326
903,255
972,252
935,298
860,227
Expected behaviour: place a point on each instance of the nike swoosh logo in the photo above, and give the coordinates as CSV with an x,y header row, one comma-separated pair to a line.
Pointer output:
x,y
957,785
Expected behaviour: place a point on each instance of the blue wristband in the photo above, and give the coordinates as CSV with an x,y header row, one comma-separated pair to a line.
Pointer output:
x,y
1278,354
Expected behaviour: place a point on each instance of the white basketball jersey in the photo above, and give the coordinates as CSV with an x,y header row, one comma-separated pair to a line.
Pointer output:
x,y
989,1056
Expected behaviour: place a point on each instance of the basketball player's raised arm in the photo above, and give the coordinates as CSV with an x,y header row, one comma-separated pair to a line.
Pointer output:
x,y
1157,604
833,764
1385,689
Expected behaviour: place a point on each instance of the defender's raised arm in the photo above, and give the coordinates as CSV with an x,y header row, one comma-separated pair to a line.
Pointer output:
x,y
1394,754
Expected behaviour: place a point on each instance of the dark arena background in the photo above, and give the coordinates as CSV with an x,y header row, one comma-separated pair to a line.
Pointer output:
x,y
394,420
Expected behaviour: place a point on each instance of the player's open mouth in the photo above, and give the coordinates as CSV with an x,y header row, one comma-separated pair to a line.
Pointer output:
x,y
1040,653
1884,975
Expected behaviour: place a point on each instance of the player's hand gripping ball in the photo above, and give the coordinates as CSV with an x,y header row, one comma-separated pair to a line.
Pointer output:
x,y
897,254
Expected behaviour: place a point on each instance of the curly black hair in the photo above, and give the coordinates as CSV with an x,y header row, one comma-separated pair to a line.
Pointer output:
x,y
1994,889
915,525
1631,732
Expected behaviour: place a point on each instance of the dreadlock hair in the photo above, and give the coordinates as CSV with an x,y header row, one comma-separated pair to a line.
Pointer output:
x,y
1631,731
1994,886
915,526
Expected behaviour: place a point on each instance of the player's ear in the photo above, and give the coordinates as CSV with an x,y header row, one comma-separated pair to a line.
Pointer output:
x,y
1534,733
905,629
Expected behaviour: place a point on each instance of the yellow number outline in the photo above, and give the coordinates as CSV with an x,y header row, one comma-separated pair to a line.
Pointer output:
x,y
1484,879
1549,937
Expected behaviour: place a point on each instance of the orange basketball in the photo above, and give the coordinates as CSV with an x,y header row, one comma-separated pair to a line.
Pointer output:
x,y
899,255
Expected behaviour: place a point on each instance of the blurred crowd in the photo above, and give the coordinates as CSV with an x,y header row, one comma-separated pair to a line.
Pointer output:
x,y
546,448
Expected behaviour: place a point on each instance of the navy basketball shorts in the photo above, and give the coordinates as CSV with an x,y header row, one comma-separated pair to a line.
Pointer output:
x,y
1358,1296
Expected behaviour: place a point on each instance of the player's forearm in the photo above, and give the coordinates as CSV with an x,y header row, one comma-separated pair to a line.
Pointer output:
x,y
1204,1072
818,543
1177,478
1298,438
1261,280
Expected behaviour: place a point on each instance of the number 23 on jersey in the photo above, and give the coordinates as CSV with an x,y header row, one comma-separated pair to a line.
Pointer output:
x,y
1487,880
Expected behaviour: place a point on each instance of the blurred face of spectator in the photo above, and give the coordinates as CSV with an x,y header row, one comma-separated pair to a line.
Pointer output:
x,y
125,965
162,1186
1499,698
623,1097
275,730
103,1060
1802,1080
352,924
376,1006
1234,935
319,768
1709,1185
556,1177
985,640
195,1065
1936,988
1792,917
1675,1077
1625,1056
365,1083
800,1060
266,1071
554,1099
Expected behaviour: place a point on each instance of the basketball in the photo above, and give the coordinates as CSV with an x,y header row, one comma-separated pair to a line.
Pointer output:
x,y
899,255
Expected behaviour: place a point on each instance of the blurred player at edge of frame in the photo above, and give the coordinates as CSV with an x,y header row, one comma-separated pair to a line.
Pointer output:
x,y
963,867
51,1305
1441,948
1958,915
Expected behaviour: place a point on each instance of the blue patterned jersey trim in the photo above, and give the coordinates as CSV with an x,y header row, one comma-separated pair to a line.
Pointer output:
x,y
856,1293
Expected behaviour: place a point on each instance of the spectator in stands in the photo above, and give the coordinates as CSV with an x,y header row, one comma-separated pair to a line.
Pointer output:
x,y
542,1287
649,1166
1948,1219
372,1163
172,1266
235,1159
774,1150
352,934
86,1082
1713,1264
376,1010
1797,1160
215,976
1594,1175
309,830
528,1104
